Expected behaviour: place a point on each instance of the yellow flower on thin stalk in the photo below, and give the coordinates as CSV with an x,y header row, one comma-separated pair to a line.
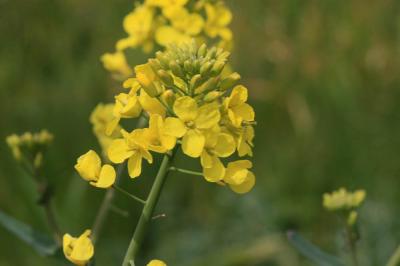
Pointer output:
x,y
238,176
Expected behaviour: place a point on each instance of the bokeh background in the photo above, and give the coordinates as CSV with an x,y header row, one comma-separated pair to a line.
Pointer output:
x,y
324,77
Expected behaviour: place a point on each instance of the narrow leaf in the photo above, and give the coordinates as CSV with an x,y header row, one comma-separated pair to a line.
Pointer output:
x,y
312,252
41,243
395,258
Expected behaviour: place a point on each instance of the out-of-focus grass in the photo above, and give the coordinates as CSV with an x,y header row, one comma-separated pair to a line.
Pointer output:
x,y
323,77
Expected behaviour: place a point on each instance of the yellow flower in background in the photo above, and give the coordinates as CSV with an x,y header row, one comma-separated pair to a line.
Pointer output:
x,y
78,250
218,19
238,176
133,146
343,199
184,26
100,118
236,107
13,142
166,3
217,145
116,64
190,123
245,141
156,263
89,168
138,24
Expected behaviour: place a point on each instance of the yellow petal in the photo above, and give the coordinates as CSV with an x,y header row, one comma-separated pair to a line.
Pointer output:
x,y
186,108
88,165
195,24
206,159
156,263
216,172
151,105
78,250
168,141
174,127
246,186
193,143
119,151
208,116
166,35
106,177
135,165
225,145
244,111
238,95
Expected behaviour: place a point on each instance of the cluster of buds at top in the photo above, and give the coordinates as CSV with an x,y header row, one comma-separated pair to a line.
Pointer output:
x,y
29,147
193,101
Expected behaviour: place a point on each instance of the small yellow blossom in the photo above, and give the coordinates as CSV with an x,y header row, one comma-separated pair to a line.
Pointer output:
x,y
217,145
238,177
89,168
159,140
156,263
236,107
100,118
352,218
116,64
78,250
133,146
190,123
343,199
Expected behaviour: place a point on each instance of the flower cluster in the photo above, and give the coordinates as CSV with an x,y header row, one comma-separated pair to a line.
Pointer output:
x,y
343,200
190,101
162,22
78,250
29,147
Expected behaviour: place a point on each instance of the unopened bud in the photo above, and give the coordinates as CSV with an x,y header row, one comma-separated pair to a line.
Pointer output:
x,y
202,50
212,95
229,81
195,81
176,69
165,77
207,86
217,68
205,68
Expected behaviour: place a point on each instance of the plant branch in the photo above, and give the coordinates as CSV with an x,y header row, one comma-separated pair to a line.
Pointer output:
x,y
123,191
190,172
148,210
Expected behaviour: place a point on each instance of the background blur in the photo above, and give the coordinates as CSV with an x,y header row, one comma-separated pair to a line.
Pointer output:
x,y
323,77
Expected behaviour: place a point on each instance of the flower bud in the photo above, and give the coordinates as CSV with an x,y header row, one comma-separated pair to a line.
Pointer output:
x,y
165,77
202,51
146,78
217,68
229,81
212,95
176,69
195,81
205,68
208,85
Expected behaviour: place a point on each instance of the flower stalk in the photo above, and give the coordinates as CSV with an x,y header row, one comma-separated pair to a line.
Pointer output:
x,y
148,210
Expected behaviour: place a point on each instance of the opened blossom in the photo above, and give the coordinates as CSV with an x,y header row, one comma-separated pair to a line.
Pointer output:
x,y
78,250
89,168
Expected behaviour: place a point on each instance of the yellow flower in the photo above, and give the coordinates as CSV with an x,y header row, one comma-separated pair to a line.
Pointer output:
x,y
138,24
159,140
245,141
218,19
183,26
151,105
190,123
217,144
127,105
238,177
134,147
236,107
148,80
156,263
78,250
166,3
13,141
89,168
100,118
352,218
343,199
116,63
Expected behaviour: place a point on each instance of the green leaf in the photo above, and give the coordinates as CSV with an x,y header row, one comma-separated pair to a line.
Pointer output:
x,y
395,258
312,252
41,243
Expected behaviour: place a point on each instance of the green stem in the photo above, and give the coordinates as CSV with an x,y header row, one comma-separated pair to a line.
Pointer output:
x,y
148,210
395,258
123,191
352,245
104,209
185,171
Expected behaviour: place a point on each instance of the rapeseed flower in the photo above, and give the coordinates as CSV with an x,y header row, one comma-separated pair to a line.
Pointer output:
x,y
238,176
78,250
89,168
156,263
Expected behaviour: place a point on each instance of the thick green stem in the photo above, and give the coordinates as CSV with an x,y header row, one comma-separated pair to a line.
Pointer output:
x,y
148,210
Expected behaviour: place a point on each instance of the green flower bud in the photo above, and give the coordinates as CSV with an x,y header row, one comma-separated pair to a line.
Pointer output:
x,y
165,77
217,68
195,81
212,95
205,68
176,69
207,86
229,81
202,51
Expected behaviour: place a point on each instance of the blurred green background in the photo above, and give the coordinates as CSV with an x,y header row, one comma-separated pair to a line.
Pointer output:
x,y
323,77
